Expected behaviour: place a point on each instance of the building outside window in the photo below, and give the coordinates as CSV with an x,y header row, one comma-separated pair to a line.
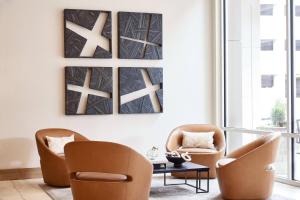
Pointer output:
x,y
267,81
266,9
297,11
298,87
297,45
267,45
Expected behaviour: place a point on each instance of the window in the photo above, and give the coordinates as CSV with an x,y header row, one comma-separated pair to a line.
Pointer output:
x,y
298,87
267,81
255,86
297,11
297,45
266,45
248,70
266,9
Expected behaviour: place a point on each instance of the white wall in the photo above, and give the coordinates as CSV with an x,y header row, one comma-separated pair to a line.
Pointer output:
x,y
32,75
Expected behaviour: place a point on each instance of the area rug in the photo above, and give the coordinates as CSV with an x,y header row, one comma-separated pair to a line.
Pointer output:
x,y
159,192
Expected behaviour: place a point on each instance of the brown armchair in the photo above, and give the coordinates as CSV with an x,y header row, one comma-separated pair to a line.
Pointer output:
x,y
105,170
53,166
207,157
247,173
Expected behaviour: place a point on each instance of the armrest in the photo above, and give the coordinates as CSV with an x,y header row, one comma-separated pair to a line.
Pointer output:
x,y
174,140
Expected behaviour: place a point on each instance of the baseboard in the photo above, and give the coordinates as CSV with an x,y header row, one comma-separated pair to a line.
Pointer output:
x,y
19,174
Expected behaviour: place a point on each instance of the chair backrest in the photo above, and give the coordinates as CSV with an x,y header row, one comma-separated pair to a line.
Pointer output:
x,y
41,140
262,151
174,140
112,159
105,157
267,151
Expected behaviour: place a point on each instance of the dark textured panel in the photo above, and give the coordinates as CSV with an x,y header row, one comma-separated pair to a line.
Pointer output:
x,y
159,94
134,25
106,32
153,52
84,18
140,28
98,105
101,79
130,80
155,30
75,75
74,44
140,105
72,102
155,74
101,53
129,49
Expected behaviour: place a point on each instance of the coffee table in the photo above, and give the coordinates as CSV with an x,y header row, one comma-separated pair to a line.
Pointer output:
x,y
186,167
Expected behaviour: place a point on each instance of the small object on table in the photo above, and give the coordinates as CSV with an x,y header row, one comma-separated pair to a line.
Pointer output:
x,y
178,159
152,153
159,163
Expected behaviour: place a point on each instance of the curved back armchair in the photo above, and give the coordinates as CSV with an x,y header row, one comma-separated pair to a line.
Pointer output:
x,y
53,166
237,172
105,170
207,157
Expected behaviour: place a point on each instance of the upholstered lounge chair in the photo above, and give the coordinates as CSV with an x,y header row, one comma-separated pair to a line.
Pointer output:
x,y
110,171
207,157
53,166
247,173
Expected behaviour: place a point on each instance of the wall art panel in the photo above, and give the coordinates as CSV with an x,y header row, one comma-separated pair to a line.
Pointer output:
x,y
140,90
87,34
88,90
140,35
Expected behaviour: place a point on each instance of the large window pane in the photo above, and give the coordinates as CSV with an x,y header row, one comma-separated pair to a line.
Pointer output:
x,y
257,71
297,87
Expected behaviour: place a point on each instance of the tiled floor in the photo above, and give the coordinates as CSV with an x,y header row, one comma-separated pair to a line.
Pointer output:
x,y
30,190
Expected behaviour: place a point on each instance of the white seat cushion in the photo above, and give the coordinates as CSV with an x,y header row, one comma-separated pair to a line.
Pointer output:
x,y
225,161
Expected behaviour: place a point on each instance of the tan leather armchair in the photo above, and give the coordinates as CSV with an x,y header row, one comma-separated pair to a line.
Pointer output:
x,y
53,166
207,157
105,170
247,173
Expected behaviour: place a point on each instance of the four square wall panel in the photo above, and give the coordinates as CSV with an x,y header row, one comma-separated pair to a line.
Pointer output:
x,y
88,90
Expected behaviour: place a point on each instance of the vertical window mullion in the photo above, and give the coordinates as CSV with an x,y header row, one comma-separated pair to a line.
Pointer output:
x,y
293,88
224,64
291,83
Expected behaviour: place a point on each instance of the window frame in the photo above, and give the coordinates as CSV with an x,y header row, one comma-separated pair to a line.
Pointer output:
x,y
291,79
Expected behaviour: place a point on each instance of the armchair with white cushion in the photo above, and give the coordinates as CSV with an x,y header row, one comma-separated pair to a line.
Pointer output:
x,y
207,145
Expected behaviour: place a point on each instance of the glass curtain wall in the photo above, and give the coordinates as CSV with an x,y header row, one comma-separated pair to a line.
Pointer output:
x,y
296,146
262,76
256,86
